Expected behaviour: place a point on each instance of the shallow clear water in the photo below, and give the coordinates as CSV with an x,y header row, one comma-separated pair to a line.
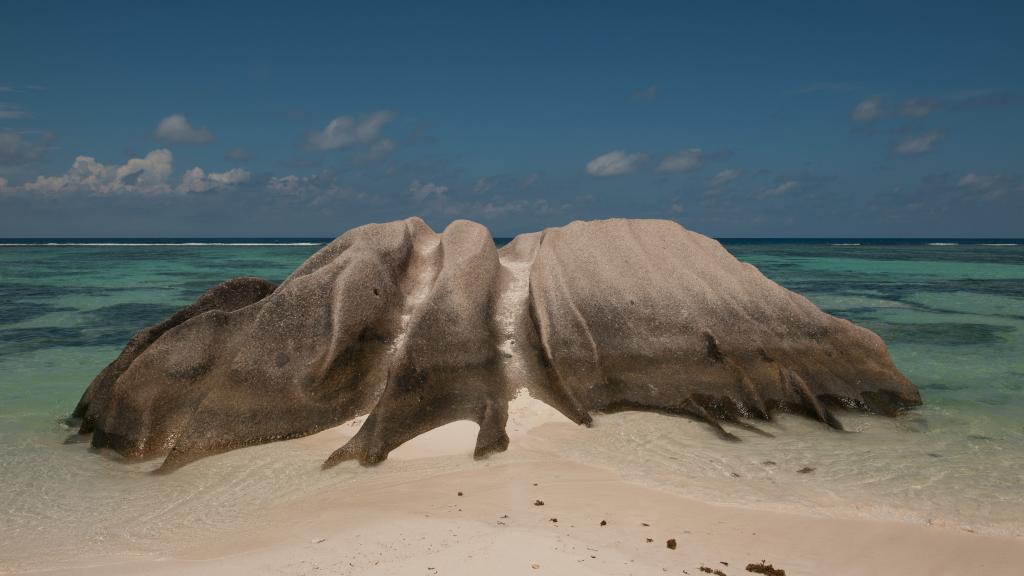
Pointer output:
x,y
952,315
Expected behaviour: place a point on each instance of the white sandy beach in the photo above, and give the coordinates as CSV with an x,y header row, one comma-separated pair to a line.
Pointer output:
x,y
415,521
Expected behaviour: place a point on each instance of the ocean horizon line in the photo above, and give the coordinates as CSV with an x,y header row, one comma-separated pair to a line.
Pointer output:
x,y
256,241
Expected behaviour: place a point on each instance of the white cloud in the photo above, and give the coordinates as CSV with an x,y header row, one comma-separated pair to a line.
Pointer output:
x,y
11,111
196,180
615,163
496,208
16,150
918,108
345,131
990,186
315,190
724,177
682,161
146,176
492,210
868,110
286,184
484,185
177,130
918,144
423,191
781,189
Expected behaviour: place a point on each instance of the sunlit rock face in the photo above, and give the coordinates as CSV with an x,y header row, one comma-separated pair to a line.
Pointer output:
x,y
419,329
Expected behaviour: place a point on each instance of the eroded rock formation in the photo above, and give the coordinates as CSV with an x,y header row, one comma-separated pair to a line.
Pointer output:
x,y
419,329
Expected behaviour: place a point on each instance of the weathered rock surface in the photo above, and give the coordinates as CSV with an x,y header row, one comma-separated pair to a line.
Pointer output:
x,y
419,329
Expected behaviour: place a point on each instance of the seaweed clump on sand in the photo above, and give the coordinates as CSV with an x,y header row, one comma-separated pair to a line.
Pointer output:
x,y
766,569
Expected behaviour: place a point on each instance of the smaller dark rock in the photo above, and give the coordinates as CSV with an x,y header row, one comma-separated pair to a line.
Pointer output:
x,y
671,544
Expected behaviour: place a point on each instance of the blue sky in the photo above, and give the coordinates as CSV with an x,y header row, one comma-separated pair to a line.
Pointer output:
x,y
303,119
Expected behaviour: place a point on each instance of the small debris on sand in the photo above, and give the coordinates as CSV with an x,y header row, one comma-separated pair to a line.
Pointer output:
x,y
671,544
460,493
538,502
644,524
554,520
805,470
766,569
604,522
734,475
714,571
769,462
649,540
535,566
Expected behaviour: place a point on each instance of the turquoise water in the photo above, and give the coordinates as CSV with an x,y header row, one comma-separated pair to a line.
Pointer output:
x,y
952,315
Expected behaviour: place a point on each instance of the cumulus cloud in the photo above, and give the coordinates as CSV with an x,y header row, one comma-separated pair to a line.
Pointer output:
x,y
918,107
427,189
783,188
197,180
17,150
176,129
10,111
146,176
615,163
868,110
345,131
918,144
682,161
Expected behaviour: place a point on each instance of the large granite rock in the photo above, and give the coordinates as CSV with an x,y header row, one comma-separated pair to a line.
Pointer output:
x,y
419,329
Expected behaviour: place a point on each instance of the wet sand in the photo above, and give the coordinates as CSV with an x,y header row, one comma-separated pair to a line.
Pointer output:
x,y
592,521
